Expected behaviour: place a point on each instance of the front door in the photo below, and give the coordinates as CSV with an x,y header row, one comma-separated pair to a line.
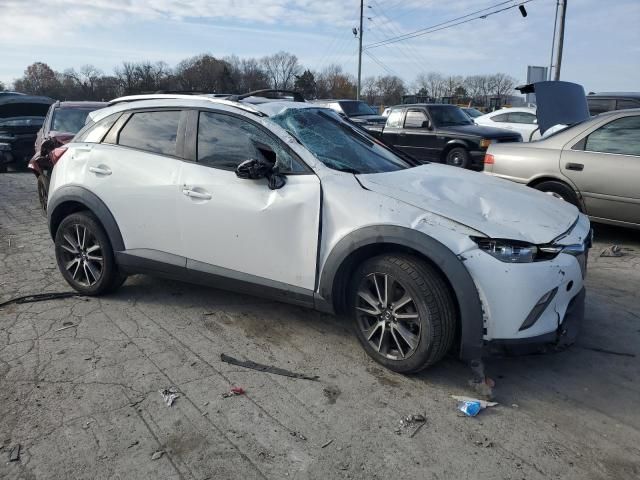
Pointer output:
x,y
605,166
417,139
239,228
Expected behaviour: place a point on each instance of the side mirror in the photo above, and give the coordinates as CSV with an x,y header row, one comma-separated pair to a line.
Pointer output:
x,y
263,167
426,124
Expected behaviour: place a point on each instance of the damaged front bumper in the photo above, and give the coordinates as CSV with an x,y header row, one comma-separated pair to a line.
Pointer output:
x,y
564,336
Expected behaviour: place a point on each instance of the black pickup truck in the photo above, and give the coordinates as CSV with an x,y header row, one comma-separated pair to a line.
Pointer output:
x,y
441,133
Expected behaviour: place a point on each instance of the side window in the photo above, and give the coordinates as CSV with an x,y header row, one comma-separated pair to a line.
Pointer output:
x,y
522,117
95,132
503,117
620,136
599,105
151,131
225,141
624,104
394,120
415,119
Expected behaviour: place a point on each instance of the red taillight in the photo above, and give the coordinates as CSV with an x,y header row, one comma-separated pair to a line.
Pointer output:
x,y
489,159
57,153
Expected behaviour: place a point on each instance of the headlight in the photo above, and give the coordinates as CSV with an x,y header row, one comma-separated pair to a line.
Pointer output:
x,y
485,142
508,251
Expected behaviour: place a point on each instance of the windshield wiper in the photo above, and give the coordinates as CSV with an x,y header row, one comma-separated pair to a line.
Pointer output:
x,y
347,170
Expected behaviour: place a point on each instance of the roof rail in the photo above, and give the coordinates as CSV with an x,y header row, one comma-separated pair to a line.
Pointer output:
x,y
269,93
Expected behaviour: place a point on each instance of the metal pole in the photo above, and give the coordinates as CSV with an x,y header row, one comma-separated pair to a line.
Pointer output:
x,y
553,41
360,51
563,14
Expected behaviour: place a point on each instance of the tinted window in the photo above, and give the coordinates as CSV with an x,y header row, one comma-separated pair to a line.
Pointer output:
x,y
69,120
225,142
354,108
394,120
619,136
152,131
448,116
503,117
624,104
522,117
95,132
415,119
599,105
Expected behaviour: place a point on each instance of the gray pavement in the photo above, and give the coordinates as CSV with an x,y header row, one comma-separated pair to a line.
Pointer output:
x,y
83,402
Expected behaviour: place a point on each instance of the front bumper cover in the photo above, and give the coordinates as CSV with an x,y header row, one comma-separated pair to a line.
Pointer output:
x,y
558,340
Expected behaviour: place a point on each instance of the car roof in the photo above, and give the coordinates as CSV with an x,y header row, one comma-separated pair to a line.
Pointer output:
x,y
635,95
513,109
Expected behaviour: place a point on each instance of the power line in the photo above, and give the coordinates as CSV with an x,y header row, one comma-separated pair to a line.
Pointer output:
x,y
380,63
448,24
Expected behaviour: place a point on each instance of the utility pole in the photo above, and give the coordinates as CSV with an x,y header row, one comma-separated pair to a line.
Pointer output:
x,y
360,51
562,13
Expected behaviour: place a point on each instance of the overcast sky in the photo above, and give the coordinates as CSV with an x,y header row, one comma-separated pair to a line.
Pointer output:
x,y
602,41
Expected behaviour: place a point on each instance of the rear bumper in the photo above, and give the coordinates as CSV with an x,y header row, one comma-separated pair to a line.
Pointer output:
x,y
477,159
564,336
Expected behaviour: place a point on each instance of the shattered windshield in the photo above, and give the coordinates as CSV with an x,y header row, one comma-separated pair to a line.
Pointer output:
x,y
338,144
448,116
356,108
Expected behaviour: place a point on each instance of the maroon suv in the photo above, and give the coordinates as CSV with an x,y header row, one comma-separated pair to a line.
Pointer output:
x,y
63,121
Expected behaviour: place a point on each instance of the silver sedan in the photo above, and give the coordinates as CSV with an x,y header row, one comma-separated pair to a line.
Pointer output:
x,y
594,165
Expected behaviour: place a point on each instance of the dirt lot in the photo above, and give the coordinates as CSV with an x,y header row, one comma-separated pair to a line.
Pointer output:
x,y
83,402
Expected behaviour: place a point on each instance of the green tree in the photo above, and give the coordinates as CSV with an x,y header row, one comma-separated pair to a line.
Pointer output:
x,y
306,84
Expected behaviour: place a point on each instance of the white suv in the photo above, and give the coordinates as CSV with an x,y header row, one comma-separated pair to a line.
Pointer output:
x,y
288,200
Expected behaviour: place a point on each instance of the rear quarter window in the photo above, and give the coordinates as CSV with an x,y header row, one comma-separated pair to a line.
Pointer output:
x,y
94,132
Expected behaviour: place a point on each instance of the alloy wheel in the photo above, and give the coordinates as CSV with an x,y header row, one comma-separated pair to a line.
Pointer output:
x,y
388,316
81,255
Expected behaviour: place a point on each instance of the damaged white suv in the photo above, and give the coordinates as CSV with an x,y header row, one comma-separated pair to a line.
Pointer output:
x,y
288,200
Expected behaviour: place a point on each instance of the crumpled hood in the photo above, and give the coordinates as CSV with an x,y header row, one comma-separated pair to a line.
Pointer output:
x,y
496,207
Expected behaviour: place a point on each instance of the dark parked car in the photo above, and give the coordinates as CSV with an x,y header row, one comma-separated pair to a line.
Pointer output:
x,y
608,101
357,111
441,133
63,121
472,112
21,116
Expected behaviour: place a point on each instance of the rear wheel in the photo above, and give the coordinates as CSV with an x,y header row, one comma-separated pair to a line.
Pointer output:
x,y
43,191
84,255
559,190
403,312
458,157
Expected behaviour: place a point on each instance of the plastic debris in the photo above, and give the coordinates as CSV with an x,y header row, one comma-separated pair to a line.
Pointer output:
x,y
612,251
415,422
233,392
14,453
470,408
39,297
65,327
157,455
169,395
326,444
265,368
483,403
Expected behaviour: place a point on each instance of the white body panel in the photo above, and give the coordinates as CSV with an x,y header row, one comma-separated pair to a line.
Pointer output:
x,y
524,129
248,228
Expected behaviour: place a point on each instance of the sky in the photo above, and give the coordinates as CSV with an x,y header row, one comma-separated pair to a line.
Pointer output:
x,y
601,50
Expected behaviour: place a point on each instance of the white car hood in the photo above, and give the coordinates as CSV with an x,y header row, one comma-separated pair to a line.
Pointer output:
x,y
495,207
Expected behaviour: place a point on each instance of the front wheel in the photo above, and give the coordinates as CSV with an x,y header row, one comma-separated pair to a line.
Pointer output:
x,y
458,157
561,191
403,312
84,255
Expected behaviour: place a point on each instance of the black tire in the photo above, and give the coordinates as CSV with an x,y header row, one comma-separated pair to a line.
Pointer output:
x,y
432,303
560,190
81,239
458,157
43,191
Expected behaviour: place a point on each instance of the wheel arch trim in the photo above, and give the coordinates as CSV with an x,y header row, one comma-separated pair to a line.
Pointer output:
x,y
464,289
77,195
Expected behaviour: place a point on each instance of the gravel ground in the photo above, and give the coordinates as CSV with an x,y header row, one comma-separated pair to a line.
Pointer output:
x,y
84,401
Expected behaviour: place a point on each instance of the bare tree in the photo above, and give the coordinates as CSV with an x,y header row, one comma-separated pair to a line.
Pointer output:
x,y
332,82
370,90
501,85
451,85
2,87
281,68
390,89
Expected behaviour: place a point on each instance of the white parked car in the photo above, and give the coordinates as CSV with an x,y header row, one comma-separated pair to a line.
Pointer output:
x,y
290,201
519,119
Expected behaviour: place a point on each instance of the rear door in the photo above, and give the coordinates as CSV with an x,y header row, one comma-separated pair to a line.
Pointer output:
x,y
135,171
605,166
239,228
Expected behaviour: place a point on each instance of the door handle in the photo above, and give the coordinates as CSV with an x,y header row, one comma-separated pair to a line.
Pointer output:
x,y
100,170
195,194
574,166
